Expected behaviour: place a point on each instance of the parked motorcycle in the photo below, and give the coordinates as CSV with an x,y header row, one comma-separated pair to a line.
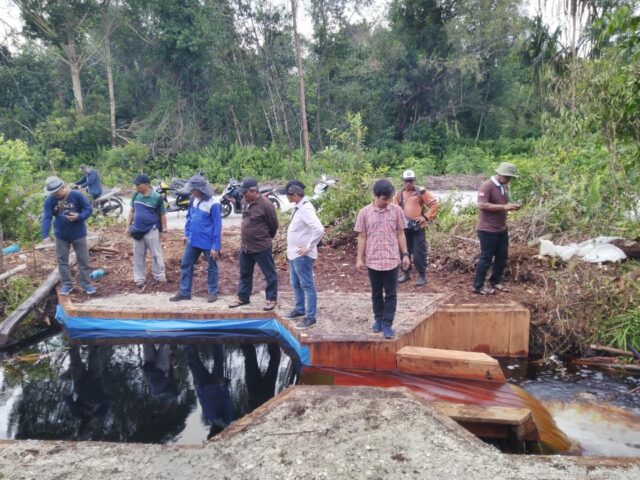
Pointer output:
x,y
231,198
322,186
177,189
279,200
108,204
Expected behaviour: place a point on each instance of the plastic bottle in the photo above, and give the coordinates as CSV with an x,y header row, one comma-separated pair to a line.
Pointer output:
x,y
14,248
97,273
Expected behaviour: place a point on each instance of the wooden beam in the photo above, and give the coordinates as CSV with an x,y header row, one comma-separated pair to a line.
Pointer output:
x,y
13,271
450,363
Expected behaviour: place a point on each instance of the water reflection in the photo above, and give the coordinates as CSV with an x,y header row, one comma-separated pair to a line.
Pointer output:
x,y
156,393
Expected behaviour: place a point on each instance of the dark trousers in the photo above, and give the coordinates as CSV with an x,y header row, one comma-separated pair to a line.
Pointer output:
x,y
384,286
494,250
417,247
265,261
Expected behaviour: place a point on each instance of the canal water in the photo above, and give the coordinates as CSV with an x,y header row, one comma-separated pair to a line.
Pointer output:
x,y
187,393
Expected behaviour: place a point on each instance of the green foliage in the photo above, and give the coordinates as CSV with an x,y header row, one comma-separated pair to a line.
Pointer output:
x,y
16,180
119,164
623,330
15,291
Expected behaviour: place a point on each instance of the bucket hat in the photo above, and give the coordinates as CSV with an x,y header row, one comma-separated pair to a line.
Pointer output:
x,y
53,184
198,182
507,169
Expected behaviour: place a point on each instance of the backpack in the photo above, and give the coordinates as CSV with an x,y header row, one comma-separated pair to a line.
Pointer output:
x,y
400,197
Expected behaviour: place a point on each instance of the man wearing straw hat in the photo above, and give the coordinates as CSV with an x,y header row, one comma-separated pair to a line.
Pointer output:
x,y
68,210
202,232
493,205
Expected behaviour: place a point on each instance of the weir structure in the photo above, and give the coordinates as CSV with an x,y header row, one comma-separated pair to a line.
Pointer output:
x,y
434,338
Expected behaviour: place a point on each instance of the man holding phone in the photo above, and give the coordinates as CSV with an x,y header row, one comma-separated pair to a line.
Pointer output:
x,y
493,205
69,210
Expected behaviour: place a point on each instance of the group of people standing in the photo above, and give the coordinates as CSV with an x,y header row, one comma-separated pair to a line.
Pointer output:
x,y
391,237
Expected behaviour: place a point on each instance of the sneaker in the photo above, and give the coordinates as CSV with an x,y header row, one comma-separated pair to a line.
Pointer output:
x,y
66,290
89,289
141,284
387,331
179,296
403,277
160,280
212,297
484,291
292,314
377,327
305,323
420,281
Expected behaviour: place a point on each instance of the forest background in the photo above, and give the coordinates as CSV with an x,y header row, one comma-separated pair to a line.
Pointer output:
x,y
231,88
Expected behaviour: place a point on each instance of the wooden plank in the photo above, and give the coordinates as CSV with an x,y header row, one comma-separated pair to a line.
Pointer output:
x,y
450,330
384,355
480,414
362,355
447,363
13,271
519,334
491,329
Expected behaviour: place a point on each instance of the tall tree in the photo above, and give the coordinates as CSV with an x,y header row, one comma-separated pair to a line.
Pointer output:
x,y
303,106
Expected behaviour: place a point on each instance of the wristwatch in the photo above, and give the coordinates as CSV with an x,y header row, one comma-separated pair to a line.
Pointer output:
x,y
405,254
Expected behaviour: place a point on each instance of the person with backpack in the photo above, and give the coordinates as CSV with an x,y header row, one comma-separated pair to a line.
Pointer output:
x,y
147,218
419,207
202,235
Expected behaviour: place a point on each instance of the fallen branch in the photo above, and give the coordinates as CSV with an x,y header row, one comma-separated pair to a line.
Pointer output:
x,y
473,241
615,351
13,271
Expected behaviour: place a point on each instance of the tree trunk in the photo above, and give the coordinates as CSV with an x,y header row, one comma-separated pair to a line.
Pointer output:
x,y
107,62
74,67
273,138
1,247
303,107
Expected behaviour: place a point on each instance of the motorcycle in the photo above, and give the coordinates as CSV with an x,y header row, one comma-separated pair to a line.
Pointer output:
x,y
177,188
279,200
108,204
322,186
231,198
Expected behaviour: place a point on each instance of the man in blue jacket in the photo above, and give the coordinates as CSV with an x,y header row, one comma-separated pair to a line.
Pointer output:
x,y
202,234
90,181
68,210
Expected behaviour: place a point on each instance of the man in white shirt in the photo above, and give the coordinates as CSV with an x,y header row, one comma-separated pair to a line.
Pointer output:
x,y
304,233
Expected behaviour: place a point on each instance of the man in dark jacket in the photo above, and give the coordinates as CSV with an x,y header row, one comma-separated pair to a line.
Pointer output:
x,y
90,181
68,210
259,226
202,233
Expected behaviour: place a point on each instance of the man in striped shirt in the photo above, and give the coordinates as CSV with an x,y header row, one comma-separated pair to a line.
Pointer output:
x,y
380,226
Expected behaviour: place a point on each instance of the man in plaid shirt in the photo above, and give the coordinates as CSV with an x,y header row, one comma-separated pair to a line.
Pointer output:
x,y
380,226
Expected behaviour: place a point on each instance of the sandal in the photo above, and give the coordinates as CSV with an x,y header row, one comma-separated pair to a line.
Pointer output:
x,y
270,305
484,291
238,303
500,287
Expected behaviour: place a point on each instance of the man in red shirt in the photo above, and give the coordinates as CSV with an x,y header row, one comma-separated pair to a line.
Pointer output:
x,y
420,207
380,226
493,205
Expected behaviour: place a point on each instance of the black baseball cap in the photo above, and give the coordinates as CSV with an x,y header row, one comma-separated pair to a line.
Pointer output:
x,y
293,187
248,183
141,178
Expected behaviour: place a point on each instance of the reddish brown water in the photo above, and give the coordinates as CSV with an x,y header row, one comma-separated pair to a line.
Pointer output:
x,y
471,392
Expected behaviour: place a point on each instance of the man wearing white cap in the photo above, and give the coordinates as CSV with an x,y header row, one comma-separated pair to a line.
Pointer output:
x,y
68,209
493,205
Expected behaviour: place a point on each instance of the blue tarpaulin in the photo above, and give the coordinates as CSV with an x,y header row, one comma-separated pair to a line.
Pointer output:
x,y
90,328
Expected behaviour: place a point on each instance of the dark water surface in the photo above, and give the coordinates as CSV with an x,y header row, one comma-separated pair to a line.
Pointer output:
x,y
176,394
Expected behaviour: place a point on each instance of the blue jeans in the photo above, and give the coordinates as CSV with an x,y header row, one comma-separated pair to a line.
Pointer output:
x,y
248,261
304,288
189,259
494,251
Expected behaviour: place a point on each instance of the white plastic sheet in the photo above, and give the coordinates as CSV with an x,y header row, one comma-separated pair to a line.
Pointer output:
x,y
595,250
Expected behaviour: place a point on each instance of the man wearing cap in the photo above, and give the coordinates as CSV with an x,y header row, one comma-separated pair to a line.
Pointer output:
x,y
202,232
259,226
304,233
419,207
90,181
147,218
68,210
493,205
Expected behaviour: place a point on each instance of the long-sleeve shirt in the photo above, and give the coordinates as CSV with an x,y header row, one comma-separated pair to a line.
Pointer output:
x,y
204,224
305,230
55,210
91,181
414,202
259,225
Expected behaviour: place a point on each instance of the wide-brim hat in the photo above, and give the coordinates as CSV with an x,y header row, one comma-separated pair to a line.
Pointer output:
x,y
507,169
198,182
53,184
